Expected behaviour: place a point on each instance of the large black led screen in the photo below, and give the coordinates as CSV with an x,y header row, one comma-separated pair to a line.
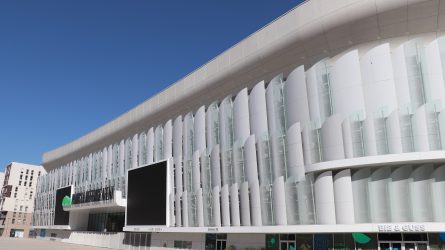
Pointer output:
x,y
147,195
61,217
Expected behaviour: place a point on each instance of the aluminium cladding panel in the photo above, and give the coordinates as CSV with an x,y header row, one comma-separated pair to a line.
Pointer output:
x,y
196,172
399,195
167,141
134,151
295,96
215,165
250,160
279,201
360,192
225,206
150,145
147,195
235,205
433,53
378,195
257,110
324,198
255,203
378,80
276,124
241,121
420,193
177,137
212,125
178,210
346,85
394,133
294,152
177,154
344,202
369,136
199,142
332,139
420,130
438,193
347,138
216,206
200,207
185,209
400,76
245,204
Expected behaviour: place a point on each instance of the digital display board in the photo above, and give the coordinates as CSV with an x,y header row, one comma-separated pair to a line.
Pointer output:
x,y
147,195
61,217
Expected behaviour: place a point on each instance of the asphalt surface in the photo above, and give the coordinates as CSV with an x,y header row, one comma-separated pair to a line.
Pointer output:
x,y
33,244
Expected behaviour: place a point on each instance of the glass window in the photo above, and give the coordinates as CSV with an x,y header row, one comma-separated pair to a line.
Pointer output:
x,y
303,241
322,241
343,241
415,237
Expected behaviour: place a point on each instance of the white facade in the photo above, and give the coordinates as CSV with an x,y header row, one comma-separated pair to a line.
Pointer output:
x,y
339,129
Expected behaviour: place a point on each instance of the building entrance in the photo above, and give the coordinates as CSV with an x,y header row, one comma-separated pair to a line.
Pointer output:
x,y
403,241
287,245
403,245
216,241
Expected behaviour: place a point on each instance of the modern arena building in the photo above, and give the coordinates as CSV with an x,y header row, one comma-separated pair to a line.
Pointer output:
x,y
323,130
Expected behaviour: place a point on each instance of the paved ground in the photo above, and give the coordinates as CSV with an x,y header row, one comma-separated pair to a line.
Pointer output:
x,y
32,244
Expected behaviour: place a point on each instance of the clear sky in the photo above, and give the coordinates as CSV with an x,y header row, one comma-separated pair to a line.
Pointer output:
x,y
68,67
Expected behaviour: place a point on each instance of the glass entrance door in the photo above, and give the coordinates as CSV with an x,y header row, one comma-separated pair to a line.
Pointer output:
x,y
390,245
403,246
221,244
287,245
416,246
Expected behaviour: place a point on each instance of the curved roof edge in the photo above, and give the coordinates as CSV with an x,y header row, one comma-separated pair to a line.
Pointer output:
x,y
310,30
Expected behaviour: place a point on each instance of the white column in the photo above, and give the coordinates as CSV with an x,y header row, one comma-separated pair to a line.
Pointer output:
x,y
344,203
324,198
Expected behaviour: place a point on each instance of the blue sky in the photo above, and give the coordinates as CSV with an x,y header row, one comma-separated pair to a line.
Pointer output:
x,y
68,67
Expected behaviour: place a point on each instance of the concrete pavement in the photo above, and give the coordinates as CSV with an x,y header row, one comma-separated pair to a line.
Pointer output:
x,y
33,244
